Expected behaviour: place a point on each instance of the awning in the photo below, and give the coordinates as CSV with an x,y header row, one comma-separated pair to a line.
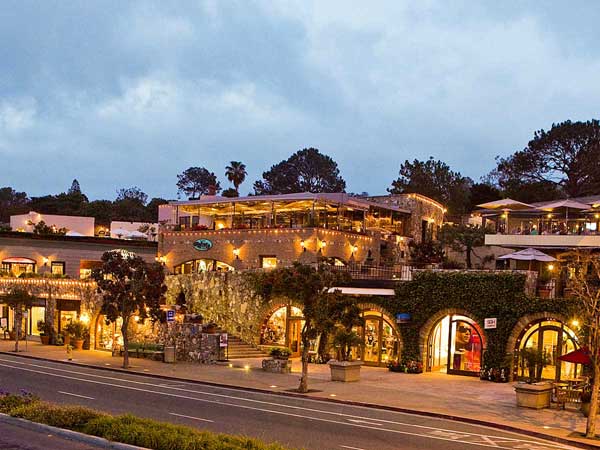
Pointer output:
x,y
529,254
363,291
18,260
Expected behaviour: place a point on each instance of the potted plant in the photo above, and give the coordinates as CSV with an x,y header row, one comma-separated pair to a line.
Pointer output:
x,y
344,368
44,336
532,393
78,330
282,353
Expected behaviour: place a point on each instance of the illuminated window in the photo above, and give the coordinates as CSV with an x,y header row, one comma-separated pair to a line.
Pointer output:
x,y
85,273
268,262
58,268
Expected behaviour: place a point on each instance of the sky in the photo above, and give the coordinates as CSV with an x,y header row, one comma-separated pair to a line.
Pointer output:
x,y
120,94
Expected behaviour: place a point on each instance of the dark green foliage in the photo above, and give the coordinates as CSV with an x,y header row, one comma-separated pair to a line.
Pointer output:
x,y
69,417
236,174
307,170
480,294
197,181
463,238
42,229
425,252
11,202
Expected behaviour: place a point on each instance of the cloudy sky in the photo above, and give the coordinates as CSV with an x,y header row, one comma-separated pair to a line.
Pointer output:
x,y
118,93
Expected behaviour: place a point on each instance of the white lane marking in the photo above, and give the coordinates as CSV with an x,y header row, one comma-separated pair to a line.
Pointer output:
x,y
352,448
192,417
368,422
76,395
435,430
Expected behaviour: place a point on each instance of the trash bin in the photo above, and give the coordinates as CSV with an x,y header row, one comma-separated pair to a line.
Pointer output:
x,y
170,354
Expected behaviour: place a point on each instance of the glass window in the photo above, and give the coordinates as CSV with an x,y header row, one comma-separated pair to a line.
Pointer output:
x,y
455,346
268,262
85,273
57,267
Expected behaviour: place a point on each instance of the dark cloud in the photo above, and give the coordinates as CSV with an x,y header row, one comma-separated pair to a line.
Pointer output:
x,y
119,94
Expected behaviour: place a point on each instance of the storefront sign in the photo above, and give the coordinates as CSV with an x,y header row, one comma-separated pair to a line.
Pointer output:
x,y
489,323
203,245
402,317
170,316
223,340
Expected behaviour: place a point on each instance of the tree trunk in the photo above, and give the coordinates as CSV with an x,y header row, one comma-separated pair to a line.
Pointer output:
x,y
125,343
304,378
18,323
590,428
468,252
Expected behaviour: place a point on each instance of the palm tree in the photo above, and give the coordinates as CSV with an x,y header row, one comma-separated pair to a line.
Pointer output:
x,y
236,173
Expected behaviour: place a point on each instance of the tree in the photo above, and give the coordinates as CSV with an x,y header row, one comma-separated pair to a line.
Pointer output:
x,y
11,202
482,193
463,238
584,270
152,208
42,229
101,210
130,205
230,192
307,170
197,181
75,188
129,287
309,288
20,301
132,193
436,180
564,159
236,174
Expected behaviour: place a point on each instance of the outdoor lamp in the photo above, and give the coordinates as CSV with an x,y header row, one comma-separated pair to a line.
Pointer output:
x,y
236,253
45,261
354,249
303,245
550,267
575,323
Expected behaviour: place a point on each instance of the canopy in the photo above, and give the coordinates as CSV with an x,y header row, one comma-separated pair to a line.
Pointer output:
x,y
529,254
579,356
120,232
73,233
506,204
137,234
566,203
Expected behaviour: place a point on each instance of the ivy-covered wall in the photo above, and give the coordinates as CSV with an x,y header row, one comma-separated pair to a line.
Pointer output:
x,y
479,295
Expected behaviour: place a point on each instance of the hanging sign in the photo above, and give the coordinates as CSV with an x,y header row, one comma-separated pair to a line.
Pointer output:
x,y
203,245
402,317
489,323
170,316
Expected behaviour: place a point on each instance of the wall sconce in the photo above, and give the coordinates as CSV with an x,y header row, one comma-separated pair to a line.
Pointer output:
x,y
161,259
85,318
596,216
322,245
354,249
549,216
236,253
303,245
550,267
45,261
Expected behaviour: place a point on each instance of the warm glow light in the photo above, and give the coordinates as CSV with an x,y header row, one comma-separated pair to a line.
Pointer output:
x,y
247,367
354,249
322,244
575,323
220,226
230,365
302,244
236,252
504,216
597,216
85,318
550,267
549,216
45,260
136,318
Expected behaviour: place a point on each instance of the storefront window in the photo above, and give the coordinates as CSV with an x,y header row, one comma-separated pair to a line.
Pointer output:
x,y
108,335
203,265
58,268
455,346
268,262
284,328
380,340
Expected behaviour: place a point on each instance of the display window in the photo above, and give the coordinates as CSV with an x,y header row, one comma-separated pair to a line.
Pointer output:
x,y
268,262
203,265
284,328
108,336
380,340
554,339
455,346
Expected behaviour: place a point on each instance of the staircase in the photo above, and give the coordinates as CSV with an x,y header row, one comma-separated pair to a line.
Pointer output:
x,y
238,349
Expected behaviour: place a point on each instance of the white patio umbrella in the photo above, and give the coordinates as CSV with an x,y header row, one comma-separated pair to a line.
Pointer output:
x,y
506,204
74,233
529,254
566,203
137,234
120,232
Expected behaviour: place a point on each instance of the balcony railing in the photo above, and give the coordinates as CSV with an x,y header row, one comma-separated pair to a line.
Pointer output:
x,y
365,272
543,240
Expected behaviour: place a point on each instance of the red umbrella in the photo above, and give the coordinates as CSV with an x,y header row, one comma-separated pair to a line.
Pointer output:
x,y
579,356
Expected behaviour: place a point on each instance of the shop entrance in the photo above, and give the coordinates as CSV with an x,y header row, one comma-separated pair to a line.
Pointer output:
x,y
380,340
554,339
455,346
284,328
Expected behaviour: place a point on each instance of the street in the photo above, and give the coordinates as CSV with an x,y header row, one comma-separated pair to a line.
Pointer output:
x,y
295,422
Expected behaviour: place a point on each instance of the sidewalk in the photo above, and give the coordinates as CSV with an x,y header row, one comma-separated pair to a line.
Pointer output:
x,y
460,397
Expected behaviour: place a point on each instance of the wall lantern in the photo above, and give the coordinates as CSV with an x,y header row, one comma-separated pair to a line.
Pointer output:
x,y
45,261
354,249
236,253
303,245
550,267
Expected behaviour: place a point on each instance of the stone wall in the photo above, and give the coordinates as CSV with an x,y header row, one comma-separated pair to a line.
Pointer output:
x,y
191,344
223,298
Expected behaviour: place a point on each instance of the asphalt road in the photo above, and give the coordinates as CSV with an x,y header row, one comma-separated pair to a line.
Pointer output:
x,y
14,437
294,422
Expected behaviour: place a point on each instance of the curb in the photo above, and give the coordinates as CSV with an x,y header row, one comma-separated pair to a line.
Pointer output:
x,y
67,434
499,426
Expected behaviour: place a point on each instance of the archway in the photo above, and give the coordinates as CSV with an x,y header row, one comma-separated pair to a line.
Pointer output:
x,y
203,265
382,342
552,337
107,336
283,327
454,344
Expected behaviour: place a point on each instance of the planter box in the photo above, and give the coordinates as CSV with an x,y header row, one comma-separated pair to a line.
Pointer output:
x,y
536,395
78,344
277,365
45,340
345,370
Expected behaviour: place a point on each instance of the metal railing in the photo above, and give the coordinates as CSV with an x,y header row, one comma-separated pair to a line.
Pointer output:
x,y
366,272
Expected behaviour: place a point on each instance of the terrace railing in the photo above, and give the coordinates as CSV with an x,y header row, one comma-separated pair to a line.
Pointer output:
x,y
367,272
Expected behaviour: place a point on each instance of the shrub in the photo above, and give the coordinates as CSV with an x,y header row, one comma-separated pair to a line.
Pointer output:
x,y
280,351
10,402
69,417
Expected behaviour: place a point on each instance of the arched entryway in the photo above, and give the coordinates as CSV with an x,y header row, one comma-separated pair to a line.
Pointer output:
x,y
454,346
107,336
283,327
381,343
554,338
203,265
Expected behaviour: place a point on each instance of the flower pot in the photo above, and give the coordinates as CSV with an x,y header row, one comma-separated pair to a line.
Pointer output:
x,y
345,371
78,344
45,339
535,395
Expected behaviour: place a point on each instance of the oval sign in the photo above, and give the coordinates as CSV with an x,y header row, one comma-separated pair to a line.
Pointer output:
x,y
203,245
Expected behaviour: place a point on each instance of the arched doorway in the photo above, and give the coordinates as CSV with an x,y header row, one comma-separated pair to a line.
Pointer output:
x,y
283,328
108,336
455,346
203,265
380,339
553,338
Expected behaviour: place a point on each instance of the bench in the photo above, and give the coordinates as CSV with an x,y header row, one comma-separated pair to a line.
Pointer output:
x,y
155,352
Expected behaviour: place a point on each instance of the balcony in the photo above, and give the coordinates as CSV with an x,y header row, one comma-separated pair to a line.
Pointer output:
x,y
544,240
